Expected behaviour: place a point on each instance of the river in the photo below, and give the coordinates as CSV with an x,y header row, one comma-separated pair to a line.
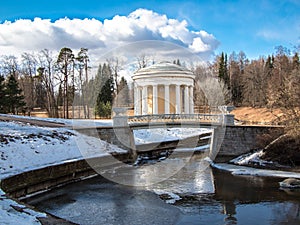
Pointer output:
x,y
196,194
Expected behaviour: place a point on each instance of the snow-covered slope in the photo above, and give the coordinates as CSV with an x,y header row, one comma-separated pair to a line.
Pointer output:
x,y
24,147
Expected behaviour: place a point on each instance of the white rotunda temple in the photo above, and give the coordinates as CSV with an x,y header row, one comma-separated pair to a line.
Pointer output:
x,y
163,88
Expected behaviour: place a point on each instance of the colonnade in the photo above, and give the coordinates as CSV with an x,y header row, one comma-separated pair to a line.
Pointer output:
x,y
163,99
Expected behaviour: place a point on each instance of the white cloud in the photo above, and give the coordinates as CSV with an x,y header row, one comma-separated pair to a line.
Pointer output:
x,y
33,35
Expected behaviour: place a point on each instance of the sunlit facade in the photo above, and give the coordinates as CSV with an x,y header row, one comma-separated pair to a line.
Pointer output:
x,y
163,88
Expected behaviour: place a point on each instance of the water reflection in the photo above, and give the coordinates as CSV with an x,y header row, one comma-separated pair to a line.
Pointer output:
x,y
194,178
206,196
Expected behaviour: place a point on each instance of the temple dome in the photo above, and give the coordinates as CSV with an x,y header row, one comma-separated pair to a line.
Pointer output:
x,y
163,68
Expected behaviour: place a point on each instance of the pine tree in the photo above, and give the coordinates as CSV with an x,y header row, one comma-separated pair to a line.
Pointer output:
x,y
14,100
65,63
223,69
123,93
2,94
105,99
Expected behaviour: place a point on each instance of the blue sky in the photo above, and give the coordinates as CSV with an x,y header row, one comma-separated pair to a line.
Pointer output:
x,y
254,26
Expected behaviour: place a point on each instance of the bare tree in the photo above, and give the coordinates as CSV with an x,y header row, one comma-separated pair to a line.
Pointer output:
x,y
9,66
254,84
116,66
143,61
28,81
209,90
45,74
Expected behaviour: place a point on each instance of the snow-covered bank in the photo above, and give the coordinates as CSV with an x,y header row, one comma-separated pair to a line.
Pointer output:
x,y
244,170
68,122
24,147
254,159
242,166
13,213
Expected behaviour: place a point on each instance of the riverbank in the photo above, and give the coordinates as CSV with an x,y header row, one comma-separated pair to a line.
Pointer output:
x,y
25,147
31,144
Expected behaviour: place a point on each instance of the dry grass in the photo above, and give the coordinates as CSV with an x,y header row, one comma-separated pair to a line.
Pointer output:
x,y
257,115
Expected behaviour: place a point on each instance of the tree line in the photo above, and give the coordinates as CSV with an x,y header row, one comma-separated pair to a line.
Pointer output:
x,y
63,85
269,81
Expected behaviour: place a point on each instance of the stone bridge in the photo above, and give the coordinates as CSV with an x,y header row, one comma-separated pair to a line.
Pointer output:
x,y
227,139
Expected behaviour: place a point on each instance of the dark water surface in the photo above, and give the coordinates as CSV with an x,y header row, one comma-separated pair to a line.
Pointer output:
x,y
207,196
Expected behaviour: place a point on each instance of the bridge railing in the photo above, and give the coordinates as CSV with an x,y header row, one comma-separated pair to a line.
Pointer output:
x,y
173,118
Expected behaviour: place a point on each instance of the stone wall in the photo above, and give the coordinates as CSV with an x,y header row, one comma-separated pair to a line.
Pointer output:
x,y
232,141
121,136
52,176
242,139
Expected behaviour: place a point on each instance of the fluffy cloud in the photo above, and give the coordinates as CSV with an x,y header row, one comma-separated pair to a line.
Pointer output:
x,y
141,25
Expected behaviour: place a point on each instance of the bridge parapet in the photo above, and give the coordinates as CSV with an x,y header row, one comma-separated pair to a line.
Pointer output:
x,y
215,119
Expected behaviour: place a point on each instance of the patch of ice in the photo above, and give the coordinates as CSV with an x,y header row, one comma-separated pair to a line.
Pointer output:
x,y
172,196
199,148
243,170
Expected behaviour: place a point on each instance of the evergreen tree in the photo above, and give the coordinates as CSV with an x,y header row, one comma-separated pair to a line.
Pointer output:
x,y
2,94
106,93
105,99
123,93
269,65
235,79
14,100
64,64
223,69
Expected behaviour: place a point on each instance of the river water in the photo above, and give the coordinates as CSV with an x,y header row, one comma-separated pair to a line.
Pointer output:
x,y
196,194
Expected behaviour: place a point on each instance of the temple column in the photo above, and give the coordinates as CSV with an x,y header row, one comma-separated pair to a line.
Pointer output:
x,y
155,102
191,100
177,90
186,100
136,100
167,99
145,100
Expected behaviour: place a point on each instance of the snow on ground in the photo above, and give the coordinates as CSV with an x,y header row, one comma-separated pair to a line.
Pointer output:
x,y
145,136
242,166
250,171
251,158
10,212
69,122
24,147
